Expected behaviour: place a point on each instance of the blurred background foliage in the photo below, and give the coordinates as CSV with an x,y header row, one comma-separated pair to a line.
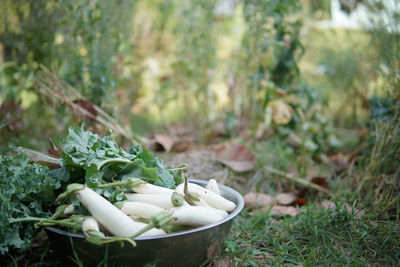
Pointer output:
x,y
150,63
311,99
267,72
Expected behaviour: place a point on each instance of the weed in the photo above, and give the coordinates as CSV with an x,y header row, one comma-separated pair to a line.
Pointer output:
x,y
316,237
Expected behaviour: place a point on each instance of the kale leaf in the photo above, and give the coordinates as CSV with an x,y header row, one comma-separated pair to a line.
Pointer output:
x,y
25,190
93,160
29,190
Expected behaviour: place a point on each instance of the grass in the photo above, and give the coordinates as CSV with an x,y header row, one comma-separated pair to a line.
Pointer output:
x,y
317,237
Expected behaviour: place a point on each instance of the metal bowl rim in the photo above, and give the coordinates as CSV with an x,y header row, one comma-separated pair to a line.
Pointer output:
x,y
231,216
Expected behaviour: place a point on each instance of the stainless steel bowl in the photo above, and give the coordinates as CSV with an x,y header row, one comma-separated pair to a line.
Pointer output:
x,y
187,248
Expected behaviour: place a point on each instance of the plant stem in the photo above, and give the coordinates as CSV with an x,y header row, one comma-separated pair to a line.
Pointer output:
x,y
26,219
46,221
298,180
131,182
122,160
144,229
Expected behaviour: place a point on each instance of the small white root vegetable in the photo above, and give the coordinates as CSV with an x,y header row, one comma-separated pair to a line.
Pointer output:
x,y
212,185
91,230
114,220
140,209
203,203
90,224
70,209
147,188
195,215
160,200
212,199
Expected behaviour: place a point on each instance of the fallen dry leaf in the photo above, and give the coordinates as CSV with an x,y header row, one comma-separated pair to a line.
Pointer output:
x,y
254,199
236,156
223,262
41,158
285,198
277,210
182,146
53,150
161,142
89,107
299,201
284,210
340,162
319,181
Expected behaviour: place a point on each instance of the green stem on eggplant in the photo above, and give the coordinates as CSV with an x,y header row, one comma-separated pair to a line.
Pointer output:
x,y
159,220
130,182
189,197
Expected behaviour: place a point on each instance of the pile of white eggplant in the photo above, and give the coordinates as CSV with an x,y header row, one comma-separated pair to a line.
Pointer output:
x,y
149,210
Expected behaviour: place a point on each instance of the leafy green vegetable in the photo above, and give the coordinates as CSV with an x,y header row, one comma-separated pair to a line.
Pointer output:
x,y
93,160
28,190
25,190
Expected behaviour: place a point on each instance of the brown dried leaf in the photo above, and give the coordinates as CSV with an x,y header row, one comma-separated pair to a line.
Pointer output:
x,y
161,142
41,158
285,198
53,150
284,210
182,146
236,156
277,210
89,107
254,199
320,181
299,201
223,262
340,162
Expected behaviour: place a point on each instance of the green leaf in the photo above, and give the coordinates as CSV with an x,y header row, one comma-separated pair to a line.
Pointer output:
x,y
25,190
94,160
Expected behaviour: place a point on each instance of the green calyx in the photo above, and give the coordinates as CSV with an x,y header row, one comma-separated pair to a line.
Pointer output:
x,y
189,197
119,204
98,238
71,190
59,211
160,220
176,199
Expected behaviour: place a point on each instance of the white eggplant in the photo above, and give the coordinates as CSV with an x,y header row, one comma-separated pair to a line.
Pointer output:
x,y
161,200
147,188
203,203
90,224
212,199
70,209
212,185
114,220
140,209
195,215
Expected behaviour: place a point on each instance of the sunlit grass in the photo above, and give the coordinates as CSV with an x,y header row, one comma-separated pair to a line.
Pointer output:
x,y
317,237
